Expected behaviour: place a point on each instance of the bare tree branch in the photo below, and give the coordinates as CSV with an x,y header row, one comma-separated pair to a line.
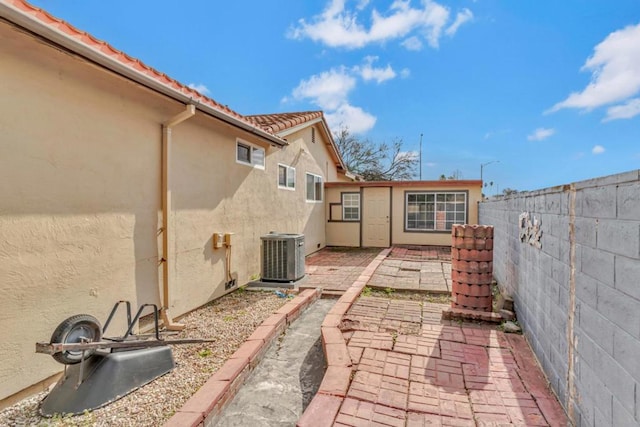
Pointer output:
x,y
376,162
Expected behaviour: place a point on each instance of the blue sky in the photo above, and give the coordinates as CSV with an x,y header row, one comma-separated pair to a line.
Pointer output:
x,y
549,88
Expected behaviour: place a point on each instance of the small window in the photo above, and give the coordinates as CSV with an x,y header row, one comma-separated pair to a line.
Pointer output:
x,y
351,206
313,135
243,153
286,177
249,154
314,188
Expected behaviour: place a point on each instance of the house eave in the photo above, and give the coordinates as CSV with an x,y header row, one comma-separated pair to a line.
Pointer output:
x,y
42,29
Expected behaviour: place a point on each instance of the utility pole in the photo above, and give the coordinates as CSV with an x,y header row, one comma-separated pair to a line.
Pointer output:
x,y
420,157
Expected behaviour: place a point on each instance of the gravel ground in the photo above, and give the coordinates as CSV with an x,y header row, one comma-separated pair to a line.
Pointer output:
x,y
229,320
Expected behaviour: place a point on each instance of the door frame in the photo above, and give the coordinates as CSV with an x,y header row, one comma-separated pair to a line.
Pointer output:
x,y
363,198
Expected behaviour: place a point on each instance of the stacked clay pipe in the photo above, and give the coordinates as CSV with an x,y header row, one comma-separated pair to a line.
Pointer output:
x,y
471,267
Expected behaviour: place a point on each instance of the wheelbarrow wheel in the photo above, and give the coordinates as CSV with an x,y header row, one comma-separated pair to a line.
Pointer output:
x,y
74,330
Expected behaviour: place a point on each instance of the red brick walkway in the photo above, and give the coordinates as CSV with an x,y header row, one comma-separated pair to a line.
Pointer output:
x,y
399,364
412,370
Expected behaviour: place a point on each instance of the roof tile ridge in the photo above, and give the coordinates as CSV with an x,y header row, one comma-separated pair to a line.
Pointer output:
x,y
114,53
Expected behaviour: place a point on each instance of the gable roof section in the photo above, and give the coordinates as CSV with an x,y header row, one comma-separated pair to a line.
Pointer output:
x,y
283,124
58,31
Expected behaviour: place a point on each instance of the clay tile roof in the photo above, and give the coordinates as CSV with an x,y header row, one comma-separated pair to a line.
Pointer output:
x,y
279,122
107,51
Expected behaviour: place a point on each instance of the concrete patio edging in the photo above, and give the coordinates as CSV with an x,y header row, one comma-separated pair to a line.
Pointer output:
x,y
325,405
222,386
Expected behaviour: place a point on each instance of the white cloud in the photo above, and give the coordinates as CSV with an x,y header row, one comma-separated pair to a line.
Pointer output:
x,y
597,149
405,72
355,118
540,134
493,133
629,109
368,72
328,90
431,164
412,43
464,16
362,4
435,18
199,87
615,68
338,26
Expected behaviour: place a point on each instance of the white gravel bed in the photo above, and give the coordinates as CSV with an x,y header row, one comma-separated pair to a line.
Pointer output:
x,y
229,320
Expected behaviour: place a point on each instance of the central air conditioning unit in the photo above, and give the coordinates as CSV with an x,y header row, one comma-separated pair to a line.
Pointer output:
x,y
282,257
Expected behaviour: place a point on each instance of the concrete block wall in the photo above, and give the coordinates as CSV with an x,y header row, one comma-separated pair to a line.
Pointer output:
x,y
578,296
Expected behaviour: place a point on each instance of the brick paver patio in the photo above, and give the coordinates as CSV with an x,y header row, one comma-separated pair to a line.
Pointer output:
x,y
426,276
429,373
408,367
407,268
421,253
335,269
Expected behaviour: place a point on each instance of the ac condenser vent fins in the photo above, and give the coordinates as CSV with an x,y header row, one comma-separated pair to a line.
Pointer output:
x,y
282,257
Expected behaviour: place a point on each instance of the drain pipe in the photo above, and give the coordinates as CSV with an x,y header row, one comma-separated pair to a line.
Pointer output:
x,y
166,211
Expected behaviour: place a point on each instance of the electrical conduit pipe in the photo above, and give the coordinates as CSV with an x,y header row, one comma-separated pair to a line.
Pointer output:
x,y
166,211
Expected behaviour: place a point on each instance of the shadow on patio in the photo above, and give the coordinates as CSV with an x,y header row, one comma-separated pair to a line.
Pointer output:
x,y
411,368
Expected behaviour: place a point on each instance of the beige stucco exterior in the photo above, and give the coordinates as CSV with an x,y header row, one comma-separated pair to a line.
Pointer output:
x,y
80,216
354,233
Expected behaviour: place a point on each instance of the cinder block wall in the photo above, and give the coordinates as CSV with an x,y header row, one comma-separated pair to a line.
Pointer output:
x,y
578,296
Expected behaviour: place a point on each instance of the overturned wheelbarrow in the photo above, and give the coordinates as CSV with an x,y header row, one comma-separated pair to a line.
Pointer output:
x,y
100,370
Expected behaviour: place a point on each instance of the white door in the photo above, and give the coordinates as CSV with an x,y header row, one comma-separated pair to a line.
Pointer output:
x,y
376,208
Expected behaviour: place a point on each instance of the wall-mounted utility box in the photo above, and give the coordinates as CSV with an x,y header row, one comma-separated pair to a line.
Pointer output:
x,y
218,240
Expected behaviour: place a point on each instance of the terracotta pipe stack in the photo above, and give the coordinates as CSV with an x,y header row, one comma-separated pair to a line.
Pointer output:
x,y
471,267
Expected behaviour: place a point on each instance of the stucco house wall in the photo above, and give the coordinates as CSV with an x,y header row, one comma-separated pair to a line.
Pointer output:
x,y
341,232
400,235
80,217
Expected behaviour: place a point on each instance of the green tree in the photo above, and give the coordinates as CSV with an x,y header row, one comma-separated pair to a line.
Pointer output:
x,y
456,174
376,161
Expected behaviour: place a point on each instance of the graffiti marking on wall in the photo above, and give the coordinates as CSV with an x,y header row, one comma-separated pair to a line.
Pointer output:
x,y
530,229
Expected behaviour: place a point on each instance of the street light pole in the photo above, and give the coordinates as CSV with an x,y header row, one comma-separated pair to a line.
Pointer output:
x,y
482,165
420,157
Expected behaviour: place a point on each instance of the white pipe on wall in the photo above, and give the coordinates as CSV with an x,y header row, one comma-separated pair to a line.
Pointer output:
x,y
166,212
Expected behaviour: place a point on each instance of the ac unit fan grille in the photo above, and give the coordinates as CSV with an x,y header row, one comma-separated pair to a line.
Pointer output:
x,y
282,257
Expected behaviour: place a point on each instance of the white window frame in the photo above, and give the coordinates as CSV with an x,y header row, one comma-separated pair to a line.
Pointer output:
x,y
351,204
290,177
317,179
438,206
253,150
